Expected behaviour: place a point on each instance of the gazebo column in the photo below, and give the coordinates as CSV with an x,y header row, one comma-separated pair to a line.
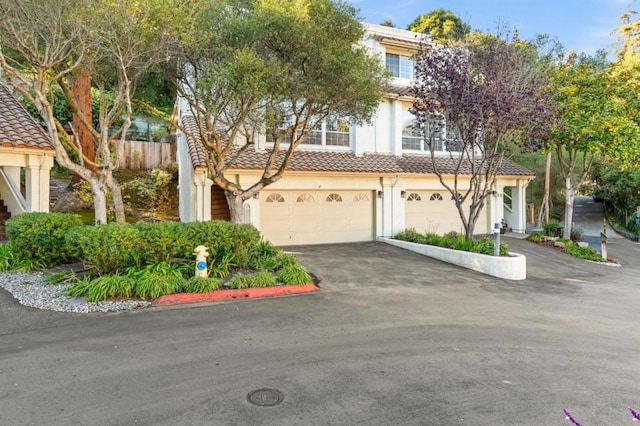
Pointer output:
x,y
203,197
37,182
519,205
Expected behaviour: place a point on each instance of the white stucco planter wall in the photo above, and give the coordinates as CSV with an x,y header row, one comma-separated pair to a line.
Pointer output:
x,y
512,267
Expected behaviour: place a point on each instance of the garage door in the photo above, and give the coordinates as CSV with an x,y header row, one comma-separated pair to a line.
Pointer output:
x,y
435,211
316,217
430,211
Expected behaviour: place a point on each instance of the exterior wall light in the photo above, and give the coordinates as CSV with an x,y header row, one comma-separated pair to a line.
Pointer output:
x,y
256,196
403,194
380,194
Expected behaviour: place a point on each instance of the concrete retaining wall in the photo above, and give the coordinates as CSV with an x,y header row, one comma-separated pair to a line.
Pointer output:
x,y
512,267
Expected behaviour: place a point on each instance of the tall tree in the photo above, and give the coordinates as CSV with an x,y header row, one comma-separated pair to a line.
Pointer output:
x,y
442,25
252,67
47,45
487,100
596,120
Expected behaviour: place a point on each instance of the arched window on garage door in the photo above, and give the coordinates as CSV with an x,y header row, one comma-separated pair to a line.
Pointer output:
x,y
275,198
360,197
331,198
436,197
305,198
414,197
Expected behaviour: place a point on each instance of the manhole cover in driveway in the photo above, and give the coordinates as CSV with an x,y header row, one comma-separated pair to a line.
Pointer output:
x,y
265,397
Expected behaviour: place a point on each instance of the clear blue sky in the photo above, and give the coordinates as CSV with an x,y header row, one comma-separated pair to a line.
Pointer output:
x,y
581,25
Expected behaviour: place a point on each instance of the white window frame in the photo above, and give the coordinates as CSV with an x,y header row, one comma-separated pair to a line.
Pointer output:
x,y
405,66
414,137
322,137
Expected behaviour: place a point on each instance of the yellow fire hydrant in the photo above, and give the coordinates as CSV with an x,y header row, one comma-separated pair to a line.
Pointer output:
x,y
201,255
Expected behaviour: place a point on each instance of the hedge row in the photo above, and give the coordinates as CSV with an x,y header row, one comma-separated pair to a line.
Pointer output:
x,y
56,238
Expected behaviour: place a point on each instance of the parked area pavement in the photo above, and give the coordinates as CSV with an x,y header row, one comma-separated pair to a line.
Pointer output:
x,y
392,337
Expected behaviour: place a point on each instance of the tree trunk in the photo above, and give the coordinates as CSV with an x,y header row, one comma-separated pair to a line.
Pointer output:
x,y
116,195
81,87
99,201
568,209
547,188
236,210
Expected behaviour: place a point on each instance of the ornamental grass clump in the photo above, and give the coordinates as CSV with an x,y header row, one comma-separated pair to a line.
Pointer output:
x,y
294,275
201,285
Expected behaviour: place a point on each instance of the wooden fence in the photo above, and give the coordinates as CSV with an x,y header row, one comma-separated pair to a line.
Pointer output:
x,y
147,155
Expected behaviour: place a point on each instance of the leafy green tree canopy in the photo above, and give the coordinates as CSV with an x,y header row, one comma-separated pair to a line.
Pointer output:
x,y
442,25
246,67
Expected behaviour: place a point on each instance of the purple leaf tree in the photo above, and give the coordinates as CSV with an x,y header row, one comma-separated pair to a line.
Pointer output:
x,y
478,102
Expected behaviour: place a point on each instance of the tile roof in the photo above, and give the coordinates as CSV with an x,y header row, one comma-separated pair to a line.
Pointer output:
x,y
327,161
17,128
196,148
399,90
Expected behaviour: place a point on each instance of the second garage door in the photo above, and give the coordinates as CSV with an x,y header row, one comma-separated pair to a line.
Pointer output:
x,y
435,211
316,217
428,211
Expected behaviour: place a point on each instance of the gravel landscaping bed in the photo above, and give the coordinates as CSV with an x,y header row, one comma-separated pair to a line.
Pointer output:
x,y
31,289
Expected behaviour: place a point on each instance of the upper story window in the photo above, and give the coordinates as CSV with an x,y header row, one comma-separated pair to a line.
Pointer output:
x,y
434,130
399,66
333,131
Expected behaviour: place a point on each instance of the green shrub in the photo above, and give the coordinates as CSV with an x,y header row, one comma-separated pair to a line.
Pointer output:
x,y
587,253
10,261
550,227
61,277
536,237
222,267
108,248
158,279
456,241
78,289
110,287
410,235
240,281
39,238
164,241
168,240
264,263
566,241
286,260
295,274
201,285
149,190
263,279
153,285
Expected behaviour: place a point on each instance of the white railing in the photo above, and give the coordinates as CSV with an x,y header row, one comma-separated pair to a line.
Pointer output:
x,y
508,202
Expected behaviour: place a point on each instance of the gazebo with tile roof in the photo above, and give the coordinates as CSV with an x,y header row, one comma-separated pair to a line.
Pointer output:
x,y
25,152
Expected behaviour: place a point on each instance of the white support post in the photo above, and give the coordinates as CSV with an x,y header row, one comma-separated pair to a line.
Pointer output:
x,y
519,206
203,197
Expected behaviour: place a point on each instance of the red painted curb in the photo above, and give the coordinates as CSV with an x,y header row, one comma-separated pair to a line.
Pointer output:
x,y
222,295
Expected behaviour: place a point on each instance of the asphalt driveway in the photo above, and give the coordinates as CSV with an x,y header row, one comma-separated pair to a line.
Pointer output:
x,y
391,338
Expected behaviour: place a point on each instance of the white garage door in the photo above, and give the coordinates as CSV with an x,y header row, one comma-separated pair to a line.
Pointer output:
x,y
316,217
431,211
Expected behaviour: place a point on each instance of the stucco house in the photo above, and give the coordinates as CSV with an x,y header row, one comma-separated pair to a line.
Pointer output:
x,y
350,183
26,157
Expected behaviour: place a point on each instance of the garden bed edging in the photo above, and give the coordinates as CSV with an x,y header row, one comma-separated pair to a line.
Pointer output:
x,y
512,267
